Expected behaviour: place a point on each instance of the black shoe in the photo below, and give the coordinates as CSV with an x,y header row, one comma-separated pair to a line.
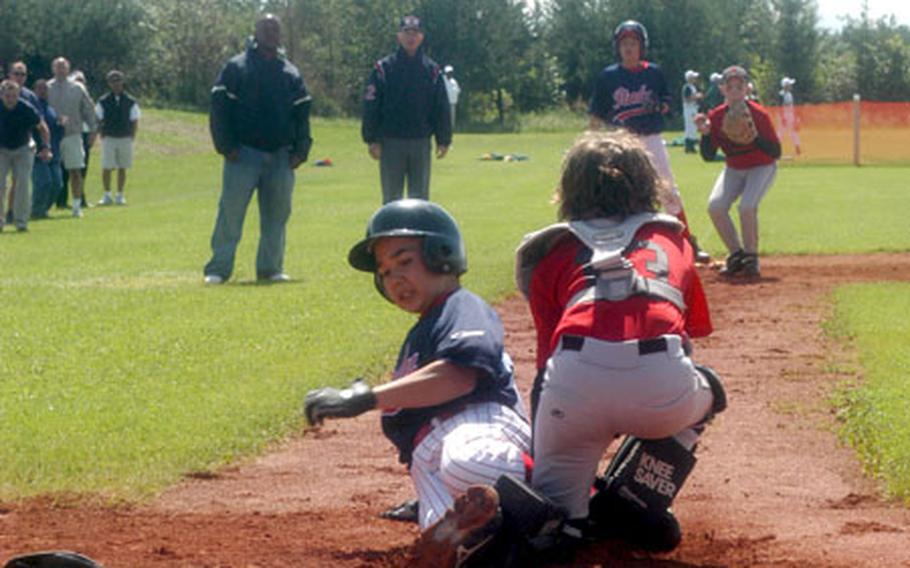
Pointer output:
x,y
406,512
733,264
750,265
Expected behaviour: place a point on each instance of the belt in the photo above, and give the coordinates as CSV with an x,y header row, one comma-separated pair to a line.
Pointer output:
x,y
645,346
428,426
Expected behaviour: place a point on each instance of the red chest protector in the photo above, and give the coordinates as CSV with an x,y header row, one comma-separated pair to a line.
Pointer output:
x,y
615,278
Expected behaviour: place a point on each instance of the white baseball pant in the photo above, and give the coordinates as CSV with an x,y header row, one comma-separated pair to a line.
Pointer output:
x,y
672,200
475,446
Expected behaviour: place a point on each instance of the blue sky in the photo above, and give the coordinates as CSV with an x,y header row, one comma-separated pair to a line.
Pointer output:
x,y
830,12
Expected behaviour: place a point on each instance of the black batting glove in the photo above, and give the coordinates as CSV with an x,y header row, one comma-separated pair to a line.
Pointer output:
x,y
330,402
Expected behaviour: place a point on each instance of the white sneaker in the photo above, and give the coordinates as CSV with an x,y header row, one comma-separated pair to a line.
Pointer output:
x,y
106,200
278,277
77,212
120,199
213,279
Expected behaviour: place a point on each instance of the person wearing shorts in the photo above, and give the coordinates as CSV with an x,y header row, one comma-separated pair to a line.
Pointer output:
x,y
118,115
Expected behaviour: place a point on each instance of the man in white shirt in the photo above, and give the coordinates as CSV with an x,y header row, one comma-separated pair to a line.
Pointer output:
x,y
452,89
118,116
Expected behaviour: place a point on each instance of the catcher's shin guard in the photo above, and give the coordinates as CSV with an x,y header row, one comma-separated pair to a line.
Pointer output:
x,y
633,498
717,389
525,511
531,530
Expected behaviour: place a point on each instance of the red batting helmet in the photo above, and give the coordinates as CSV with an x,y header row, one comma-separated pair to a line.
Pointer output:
x,y
634,28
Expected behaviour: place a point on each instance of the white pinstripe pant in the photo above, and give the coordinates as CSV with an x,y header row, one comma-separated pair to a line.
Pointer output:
x,y
477,445
660,159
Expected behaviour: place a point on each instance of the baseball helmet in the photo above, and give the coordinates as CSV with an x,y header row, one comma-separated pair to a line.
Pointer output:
x,y
443,247
631,27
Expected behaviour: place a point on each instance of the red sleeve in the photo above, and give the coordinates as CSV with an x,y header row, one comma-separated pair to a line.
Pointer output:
x,y
698,317
763,123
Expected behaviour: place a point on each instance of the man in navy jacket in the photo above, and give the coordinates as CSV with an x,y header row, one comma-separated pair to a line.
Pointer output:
x,y
260,123
405,103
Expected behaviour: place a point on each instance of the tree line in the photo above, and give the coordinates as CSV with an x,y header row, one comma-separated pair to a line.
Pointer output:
x,y
510,56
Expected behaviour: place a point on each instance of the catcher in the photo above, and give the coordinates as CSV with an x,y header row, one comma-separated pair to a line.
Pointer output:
x,y
452,409
744,131
615,298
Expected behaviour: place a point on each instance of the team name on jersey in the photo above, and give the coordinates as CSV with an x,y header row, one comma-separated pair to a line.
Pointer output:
x,y
623,97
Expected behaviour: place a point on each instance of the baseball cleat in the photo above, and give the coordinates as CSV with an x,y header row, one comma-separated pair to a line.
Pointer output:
x,y
406,512
471,522
749,265
733,264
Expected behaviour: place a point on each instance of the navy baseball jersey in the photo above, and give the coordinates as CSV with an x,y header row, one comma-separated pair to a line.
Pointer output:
x,y
631,99
464,330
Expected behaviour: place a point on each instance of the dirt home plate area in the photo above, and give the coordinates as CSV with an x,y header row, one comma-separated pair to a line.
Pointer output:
x,y
773,486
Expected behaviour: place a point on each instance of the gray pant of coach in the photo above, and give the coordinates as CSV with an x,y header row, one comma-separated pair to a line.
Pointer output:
x,y
405,157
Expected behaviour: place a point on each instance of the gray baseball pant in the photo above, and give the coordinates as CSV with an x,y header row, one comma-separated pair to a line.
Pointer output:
x,y
749,186
405,158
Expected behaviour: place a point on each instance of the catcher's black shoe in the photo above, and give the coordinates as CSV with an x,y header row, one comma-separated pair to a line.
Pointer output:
x,y
472,522
733,264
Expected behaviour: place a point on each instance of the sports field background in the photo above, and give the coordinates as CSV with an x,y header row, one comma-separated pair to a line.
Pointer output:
x,y
120,372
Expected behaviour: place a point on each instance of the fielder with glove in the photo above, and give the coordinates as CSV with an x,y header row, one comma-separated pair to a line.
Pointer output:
x,y
743,129
452,409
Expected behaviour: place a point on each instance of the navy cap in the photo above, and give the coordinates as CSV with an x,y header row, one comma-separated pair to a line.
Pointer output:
x,y
410,23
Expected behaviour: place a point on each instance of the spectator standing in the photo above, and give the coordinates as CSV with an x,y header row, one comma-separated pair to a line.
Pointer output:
x,y
74,106
18,121
453,90
691,96
47,178
260,123
18,72
406,103
118,116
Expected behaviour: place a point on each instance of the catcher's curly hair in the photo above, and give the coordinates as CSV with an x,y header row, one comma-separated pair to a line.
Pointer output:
x,y
607,174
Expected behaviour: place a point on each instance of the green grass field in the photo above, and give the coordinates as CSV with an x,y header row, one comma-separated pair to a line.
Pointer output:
x,y
871,319
120,371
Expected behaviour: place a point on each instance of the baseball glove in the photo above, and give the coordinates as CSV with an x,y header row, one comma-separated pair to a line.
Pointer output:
x,y
330,402
738,125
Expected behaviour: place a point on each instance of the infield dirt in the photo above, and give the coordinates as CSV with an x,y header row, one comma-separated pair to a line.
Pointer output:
x,y
773,486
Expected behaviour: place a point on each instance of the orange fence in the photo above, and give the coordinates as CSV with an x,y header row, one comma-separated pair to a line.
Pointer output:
x,y
826,133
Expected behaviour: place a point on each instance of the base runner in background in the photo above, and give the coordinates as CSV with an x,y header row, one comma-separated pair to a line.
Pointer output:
x,y
633,94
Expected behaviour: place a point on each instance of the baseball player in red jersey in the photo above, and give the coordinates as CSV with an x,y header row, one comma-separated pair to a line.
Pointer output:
x,y
615,298
749,172
633,94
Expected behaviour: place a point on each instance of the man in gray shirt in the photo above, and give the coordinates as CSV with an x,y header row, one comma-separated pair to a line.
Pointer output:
x,y
74,106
